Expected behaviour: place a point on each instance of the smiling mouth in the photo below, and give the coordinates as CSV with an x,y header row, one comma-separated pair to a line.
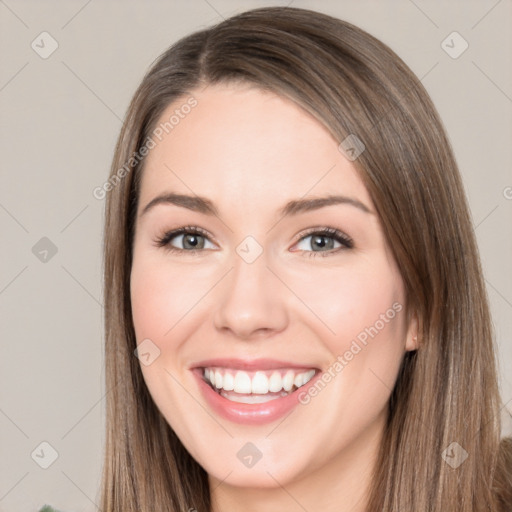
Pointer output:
x,y
258,386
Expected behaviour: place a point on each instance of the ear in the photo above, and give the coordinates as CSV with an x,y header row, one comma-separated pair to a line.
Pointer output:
x,y
411,341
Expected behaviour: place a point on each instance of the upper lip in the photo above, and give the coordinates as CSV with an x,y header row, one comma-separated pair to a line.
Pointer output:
x,y
249,364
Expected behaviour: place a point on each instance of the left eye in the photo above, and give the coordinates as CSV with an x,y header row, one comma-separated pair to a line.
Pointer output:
x,y
318,240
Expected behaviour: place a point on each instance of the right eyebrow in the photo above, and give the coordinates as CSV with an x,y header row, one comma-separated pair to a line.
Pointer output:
x,y
194,203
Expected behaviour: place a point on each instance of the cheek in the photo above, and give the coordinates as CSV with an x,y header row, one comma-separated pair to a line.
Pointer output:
x,y
362,324
149,293
161,296
360,315
349,301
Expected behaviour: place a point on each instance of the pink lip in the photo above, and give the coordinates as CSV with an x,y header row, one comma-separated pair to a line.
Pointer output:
x,y
250,414
250,365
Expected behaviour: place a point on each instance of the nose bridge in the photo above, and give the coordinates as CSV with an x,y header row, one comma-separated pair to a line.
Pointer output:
x,y
251,298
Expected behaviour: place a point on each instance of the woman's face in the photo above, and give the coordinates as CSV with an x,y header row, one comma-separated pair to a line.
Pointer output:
x,y
260,300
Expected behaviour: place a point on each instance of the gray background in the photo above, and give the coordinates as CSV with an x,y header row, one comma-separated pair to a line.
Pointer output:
x,y
60,117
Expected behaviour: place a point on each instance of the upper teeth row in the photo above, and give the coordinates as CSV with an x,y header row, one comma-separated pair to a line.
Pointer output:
x,y
241,382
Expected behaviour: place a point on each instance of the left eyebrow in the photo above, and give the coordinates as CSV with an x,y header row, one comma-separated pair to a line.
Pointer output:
x,y
305,205
294,207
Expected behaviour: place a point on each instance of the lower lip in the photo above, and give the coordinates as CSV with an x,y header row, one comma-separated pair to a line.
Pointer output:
x,y
250,414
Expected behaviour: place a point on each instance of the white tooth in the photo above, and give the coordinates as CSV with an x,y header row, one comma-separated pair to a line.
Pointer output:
x,y
242,383
288,380
252,399
206,373
275,383
218,379
212,377
259,383
229,382
308,376
299,380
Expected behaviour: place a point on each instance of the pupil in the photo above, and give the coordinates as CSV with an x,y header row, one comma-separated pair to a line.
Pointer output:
x,y
187,240
320,237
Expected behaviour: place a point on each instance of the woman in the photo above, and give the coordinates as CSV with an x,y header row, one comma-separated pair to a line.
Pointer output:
x,y
240,374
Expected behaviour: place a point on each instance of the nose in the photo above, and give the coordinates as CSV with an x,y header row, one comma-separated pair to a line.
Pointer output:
x,y
250,301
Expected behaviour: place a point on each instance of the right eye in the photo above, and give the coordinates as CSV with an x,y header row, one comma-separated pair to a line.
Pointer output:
x,y
190,238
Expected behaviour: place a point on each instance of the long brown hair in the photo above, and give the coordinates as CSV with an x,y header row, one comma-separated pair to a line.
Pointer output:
x,y
447,390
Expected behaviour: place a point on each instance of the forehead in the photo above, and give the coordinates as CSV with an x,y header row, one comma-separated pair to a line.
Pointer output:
x,y
247,147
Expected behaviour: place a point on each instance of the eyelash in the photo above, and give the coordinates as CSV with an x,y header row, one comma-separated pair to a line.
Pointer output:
x,y
345,240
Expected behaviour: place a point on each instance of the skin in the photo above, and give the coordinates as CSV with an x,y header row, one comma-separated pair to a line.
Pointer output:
x,y
250,152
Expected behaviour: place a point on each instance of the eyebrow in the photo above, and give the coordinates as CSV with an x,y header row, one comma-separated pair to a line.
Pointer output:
x,y
294,207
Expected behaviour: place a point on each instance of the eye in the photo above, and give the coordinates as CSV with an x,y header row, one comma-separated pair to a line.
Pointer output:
x,y
191,238
319,237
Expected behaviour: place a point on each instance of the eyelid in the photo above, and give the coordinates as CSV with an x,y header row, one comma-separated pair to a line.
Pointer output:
x,y
329,232
164,240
